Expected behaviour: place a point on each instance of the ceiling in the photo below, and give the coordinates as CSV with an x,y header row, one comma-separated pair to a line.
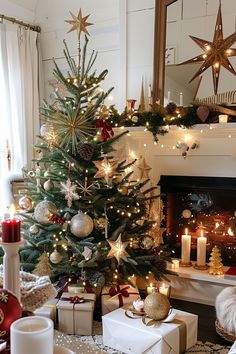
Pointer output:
x,y
27,4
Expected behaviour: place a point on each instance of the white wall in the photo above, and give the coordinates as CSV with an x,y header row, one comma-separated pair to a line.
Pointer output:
x,y
17,9
122,34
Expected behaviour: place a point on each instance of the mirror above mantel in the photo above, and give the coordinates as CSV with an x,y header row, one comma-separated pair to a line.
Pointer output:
x,y
184,18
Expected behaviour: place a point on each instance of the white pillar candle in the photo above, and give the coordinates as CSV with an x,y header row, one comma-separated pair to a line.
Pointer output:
x,y
33,334
151,289
201,250
185,248
164,289
223,118
181,99
175,263
168,96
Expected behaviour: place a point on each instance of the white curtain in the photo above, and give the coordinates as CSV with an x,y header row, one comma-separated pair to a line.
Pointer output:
x,y
19,93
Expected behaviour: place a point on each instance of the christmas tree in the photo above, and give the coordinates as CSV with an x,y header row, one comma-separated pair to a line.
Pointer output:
x,y
82,208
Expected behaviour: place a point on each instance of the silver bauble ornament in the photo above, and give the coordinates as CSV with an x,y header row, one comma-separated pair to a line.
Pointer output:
x,y
67,216
43,211
186,213
48,185
55,257
81,225
34,229
25,203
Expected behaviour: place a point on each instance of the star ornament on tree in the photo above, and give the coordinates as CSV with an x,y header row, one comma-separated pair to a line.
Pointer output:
x,y
79,23
216,53
117,249
106,168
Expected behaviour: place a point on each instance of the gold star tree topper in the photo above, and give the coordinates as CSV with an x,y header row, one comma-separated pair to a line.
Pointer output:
x,y
79,23
117,249
216,53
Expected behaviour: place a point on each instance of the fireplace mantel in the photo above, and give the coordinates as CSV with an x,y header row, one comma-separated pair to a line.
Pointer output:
x,y
216,155
198,286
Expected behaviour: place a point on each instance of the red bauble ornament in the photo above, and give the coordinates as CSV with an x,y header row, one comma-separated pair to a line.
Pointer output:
x,y
10,311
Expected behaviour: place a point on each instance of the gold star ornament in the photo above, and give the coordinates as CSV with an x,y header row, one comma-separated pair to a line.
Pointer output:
x,y
106,168
79,23
117,249
216,53
144,169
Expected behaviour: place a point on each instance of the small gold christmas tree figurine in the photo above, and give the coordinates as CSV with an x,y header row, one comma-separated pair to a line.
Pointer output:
x,y
215,264
43,267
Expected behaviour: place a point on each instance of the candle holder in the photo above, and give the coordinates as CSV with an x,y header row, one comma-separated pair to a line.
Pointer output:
x,y
185,264
11,266
201,267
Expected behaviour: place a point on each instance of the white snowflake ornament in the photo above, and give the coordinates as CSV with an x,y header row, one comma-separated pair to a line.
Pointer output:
x,y
69,189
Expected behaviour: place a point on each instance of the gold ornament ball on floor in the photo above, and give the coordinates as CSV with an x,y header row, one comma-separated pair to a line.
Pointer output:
x,y
157,306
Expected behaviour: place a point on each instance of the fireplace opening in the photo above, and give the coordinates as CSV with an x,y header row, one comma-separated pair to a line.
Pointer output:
x,y
201,204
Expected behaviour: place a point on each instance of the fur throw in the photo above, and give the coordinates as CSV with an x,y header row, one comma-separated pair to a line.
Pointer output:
x,y
226,309
35,291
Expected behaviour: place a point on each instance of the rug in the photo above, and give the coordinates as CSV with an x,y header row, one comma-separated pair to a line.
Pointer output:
x,y
199,348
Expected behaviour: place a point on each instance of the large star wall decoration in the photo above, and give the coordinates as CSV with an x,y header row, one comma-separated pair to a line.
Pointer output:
x,y
216,53
117,249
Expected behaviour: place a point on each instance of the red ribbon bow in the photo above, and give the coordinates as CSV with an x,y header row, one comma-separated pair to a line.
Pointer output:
x,y
106,129
120,292
75,299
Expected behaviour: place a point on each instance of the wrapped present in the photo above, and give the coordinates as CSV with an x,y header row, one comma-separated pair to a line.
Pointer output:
x,y
132,336
117,296
49,309
75,288
233,349
75,313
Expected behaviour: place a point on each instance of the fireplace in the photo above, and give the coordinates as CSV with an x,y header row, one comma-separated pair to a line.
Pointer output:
x,y
200,203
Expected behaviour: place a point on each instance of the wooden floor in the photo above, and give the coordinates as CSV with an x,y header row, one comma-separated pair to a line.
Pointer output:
x,y
206,320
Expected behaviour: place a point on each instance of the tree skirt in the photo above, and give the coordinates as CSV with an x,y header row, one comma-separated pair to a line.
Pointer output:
x,y
95,341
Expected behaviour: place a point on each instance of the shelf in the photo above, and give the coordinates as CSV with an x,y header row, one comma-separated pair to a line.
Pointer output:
x,y
203,275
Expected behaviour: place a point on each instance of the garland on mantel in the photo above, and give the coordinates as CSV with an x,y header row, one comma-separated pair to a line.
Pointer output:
x,y
159,118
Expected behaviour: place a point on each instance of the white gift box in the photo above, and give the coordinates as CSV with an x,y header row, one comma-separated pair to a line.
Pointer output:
x,y
233,349
49,309
76,318
111,302
131,336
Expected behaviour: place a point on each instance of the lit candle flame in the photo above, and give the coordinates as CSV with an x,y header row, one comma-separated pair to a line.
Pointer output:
x,y
230,232
201,232
12,211
217,225
186,231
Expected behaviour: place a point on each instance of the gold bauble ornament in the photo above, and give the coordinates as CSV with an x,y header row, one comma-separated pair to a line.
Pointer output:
x,y
157,306
100,223
48,185
124,190
55,257
25,203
